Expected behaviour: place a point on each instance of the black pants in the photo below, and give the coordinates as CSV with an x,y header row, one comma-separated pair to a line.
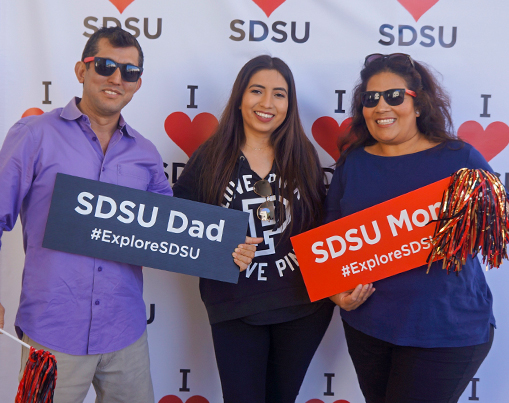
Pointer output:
x,y
389,373
267,363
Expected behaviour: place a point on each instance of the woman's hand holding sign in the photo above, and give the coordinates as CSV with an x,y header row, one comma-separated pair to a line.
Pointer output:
x,y
352,299
245,252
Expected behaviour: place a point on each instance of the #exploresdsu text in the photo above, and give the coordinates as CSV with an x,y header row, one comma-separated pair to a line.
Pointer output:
x,y
108,236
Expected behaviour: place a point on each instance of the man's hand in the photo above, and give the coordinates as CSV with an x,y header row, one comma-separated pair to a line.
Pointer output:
x,y
2,315
352,299
245,252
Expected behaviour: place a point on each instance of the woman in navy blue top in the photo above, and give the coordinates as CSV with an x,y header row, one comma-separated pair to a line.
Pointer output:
x,y
420,337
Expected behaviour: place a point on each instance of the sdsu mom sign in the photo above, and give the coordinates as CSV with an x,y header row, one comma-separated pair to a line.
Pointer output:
x,y
372,244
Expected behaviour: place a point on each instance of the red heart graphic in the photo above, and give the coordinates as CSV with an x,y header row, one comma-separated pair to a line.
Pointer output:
x,y
268,6
490,141
189,135
327,132
417,7
121,4
197,399
170,399
32,111
175,399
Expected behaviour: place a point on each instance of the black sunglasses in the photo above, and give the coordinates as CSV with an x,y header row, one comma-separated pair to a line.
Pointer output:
x,y
265,211
393,97
106,67
378,56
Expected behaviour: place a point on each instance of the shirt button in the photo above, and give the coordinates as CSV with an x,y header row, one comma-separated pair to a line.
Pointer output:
x,y
97,302
99,268
94,138
103,169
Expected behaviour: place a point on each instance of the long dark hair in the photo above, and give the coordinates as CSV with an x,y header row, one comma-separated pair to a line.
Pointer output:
x,y
432,102
296,160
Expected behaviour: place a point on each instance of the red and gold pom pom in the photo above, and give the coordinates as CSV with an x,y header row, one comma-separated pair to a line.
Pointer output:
x,y
473,218
39,378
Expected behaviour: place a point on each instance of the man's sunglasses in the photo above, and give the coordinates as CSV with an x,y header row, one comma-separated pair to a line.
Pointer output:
x,y
265,211
393,97
393,56
106,67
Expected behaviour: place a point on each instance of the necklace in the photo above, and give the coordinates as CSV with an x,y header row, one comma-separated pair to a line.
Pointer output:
x,y
256,149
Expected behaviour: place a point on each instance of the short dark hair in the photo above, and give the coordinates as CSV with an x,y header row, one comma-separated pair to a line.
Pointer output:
x,y
432,102
117,37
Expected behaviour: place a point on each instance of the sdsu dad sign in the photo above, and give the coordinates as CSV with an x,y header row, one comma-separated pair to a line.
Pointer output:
x,y
132,226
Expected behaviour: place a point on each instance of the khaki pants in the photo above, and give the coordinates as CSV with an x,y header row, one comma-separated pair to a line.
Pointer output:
x,y
122,376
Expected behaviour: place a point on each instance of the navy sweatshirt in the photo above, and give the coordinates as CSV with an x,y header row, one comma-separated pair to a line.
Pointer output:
x,y
271,290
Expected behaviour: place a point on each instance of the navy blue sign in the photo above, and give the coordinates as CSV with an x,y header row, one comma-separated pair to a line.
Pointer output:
x,y
127,225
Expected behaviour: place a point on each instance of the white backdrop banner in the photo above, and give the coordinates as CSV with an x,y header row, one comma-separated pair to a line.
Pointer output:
x,y
193,51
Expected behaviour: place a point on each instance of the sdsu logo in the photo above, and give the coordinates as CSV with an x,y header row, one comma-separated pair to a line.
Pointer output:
x,y
408,35
258,31
131,24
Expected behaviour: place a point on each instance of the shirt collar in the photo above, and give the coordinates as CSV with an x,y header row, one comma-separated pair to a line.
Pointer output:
x,y
72,112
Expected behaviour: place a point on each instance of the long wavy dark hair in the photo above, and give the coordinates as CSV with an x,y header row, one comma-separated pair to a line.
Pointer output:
x,y
432,102
296,159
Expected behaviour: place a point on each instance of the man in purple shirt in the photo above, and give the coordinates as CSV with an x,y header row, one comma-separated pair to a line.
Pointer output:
x,y
89,312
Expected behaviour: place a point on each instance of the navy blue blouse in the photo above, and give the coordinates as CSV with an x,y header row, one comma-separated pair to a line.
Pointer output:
x,y
414,308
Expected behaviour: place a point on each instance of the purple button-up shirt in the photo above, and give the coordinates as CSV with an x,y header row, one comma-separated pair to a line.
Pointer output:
x,y
74,304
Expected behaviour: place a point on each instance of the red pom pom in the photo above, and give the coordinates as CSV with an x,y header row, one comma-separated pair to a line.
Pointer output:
x,y
473,218
39,378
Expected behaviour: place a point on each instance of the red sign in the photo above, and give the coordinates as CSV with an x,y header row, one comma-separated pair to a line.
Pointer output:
x,y
372,244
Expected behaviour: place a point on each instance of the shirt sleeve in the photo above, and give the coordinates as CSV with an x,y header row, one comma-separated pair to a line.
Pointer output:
x,y
186,186
159,182
17,160
333,199
477,161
